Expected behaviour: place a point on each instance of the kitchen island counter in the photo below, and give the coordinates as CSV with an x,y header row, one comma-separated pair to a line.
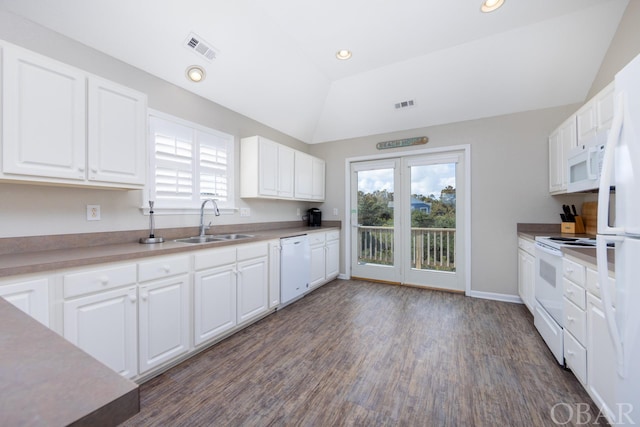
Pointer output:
x,y
45,380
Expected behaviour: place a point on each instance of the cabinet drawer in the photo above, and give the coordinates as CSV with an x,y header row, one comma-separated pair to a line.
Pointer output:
x,y
254,250
214,258
526,245
332,235
573,271
575,355
575,294
575,321
316,238
593,285
89,281
165,267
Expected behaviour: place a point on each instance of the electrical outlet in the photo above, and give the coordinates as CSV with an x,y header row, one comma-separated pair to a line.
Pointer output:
x,y
245,212
93,212
335,211
298,212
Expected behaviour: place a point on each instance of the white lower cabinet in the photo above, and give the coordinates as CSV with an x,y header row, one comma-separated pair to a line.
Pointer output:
x,y
275,254
231,287
163,321
29,294
105,326
214,297
526,272
163,310
325,257
100,315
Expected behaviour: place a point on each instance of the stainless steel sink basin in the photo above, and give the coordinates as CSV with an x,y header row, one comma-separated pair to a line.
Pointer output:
x,y
198,239
213,238
232,236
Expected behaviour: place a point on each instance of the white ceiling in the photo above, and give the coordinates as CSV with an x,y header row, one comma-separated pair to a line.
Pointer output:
x,y
277,64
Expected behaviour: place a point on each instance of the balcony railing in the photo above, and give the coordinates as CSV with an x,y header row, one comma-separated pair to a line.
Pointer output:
x,y
431,248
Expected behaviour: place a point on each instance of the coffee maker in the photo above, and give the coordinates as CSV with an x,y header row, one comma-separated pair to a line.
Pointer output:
x,y
314,217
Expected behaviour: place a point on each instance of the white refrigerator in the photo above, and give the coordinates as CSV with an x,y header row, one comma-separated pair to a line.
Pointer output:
x,y
621,169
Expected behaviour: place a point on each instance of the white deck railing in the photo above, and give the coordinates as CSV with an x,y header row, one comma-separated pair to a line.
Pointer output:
x,y
431,248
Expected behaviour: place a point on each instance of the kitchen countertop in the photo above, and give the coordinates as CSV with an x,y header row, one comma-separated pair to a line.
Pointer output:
x,y
47,381
531,231
54,259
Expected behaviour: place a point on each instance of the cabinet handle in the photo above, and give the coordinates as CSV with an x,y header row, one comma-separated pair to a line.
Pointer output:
x,y
569,270
570,291
144,294
133,297
166,268
570,353
570,319
104,280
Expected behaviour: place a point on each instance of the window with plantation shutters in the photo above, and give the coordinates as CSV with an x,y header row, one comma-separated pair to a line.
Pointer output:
x,y
189,163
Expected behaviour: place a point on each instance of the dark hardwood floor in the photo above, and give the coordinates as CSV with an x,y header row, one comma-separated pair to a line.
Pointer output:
x,y
368,354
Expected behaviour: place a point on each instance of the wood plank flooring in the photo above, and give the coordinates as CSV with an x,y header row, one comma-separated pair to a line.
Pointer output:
x,y
369,354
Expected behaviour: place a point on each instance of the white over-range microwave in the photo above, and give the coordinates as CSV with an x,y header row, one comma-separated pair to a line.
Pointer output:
x,y
585,164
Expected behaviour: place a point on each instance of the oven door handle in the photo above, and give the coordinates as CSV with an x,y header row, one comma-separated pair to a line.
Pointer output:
x,y
553,252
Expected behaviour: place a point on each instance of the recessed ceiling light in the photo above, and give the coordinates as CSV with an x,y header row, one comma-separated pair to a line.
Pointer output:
x,y
491,5
195,73
343,54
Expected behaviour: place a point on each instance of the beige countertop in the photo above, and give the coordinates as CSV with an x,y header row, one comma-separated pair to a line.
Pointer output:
x,y
53,259
47,381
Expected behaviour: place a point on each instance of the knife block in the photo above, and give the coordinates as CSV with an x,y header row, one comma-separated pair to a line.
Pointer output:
x,y
573,227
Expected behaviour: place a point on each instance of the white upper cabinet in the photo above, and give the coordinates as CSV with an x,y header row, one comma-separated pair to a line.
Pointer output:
x,y
596,115
309,177
117,118
561,141
43,116
65,126
266,168
272,170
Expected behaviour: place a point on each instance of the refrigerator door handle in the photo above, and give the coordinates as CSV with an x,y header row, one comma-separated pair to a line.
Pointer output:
x,y
607,170
603,279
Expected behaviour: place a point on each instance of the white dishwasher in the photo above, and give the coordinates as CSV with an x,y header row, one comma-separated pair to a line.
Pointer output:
x,y
295,268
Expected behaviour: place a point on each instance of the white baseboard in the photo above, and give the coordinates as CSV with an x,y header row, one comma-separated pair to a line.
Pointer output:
x,y
496,297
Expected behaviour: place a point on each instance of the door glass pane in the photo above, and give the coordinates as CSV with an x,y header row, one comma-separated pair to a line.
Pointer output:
x,y
433,217
375,217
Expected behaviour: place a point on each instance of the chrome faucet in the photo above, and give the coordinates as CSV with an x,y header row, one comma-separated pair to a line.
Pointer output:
x,y
203,227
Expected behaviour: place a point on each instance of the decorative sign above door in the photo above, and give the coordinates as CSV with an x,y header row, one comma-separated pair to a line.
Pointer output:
x,y
402,142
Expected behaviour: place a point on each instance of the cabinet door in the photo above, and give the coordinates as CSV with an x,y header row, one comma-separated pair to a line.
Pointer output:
x,y
318,265
104,325
163,321
274,273
333,259
30,296
303,188
268,167
601,358
214,300
526,278
317,190
44,117
555,162
587,121
117,133
285,172
604,107
253,293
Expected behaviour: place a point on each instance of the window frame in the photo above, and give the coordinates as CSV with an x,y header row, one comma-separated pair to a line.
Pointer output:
x,y
165,206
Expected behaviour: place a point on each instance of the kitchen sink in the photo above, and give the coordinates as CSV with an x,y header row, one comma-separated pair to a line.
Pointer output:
x,y
213,238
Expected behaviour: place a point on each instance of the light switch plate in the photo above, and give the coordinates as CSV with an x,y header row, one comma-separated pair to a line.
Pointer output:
x,y
245,212
93,212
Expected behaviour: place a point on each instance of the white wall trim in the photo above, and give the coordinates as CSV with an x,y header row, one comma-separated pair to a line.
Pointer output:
x,y
466,148
496,297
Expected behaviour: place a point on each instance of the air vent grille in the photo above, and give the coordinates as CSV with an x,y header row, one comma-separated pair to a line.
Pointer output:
x,y
197,44
404,104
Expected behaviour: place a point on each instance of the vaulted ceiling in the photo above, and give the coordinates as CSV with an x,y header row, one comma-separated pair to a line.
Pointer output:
x,y
276,60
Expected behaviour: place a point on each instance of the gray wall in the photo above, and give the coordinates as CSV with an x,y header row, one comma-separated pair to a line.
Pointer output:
x,y
27,210
509,183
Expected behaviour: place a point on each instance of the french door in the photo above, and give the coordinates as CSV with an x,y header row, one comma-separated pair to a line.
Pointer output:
x,y
408,220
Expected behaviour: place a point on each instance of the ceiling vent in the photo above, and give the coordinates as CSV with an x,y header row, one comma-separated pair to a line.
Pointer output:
x,y
404,104
197,44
